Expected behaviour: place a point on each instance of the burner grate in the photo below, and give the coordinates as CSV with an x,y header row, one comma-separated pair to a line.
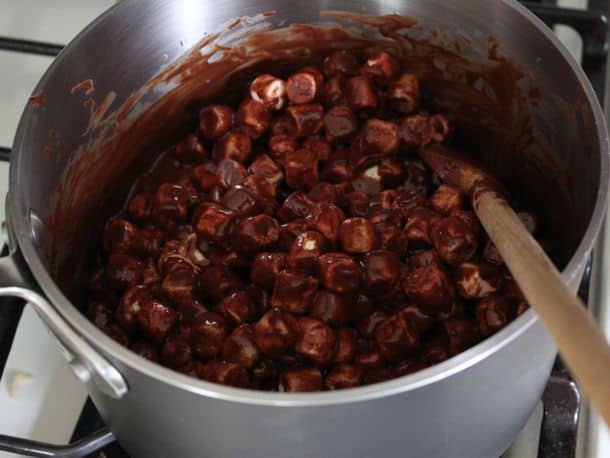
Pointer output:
x,y
30,47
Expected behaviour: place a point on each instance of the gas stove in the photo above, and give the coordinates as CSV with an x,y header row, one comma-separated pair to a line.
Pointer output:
x,y
39,397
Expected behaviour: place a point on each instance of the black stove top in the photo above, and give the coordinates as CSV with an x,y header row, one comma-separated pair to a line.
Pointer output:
x,y
561,398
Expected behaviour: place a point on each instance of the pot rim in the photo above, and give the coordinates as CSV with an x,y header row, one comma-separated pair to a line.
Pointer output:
x,y
17,218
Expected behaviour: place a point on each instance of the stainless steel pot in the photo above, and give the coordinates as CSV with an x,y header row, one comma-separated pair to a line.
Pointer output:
x,y
472,405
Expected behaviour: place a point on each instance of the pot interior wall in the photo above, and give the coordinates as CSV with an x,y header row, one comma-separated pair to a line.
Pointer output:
x,y
535,131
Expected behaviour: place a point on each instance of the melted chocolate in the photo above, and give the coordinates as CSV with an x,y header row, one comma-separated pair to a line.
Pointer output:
x,y
475,91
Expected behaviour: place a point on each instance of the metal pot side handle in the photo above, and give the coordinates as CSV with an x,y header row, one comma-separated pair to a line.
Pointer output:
x,y
86,363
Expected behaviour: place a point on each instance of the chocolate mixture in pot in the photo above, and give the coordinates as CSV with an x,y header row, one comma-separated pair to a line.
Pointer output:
x,y
294,242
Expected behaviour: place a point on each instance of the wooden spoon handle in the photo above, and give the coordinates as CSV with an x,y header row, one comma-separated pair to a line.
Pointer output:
x,y
581,342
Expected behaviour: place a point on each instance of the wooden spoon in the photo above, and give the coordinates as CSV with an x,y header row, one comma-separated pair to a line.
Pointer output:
x,y
581,342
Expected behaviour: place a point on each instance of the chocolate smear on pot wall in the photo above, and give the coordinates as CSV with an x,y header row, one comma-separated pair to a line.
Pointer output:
x,y
37,100
85,86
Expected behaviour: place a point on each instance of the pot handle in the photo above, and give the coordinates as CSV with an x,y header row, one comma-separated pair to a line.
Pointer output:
x,y
86,363
80,448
